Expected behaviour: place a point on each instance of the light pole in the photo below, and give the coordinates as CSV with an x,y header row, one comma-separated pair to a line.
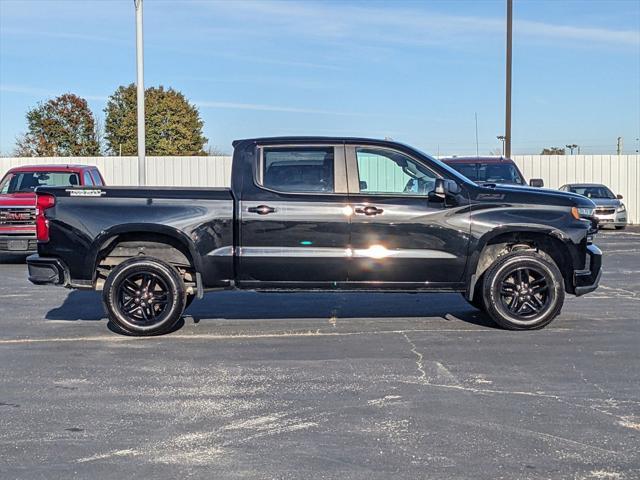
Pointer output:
x,y
507,126
140,94
572,147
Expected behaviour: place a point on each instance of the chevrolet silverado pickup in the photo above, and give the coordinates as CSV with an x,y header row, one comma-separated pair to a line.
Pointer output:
x,y
317,213
18,200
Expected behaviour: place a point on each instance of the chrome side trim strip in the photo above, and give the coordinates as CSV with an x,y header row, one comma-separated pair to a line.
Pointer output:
x,y
288,252
221,252
375,251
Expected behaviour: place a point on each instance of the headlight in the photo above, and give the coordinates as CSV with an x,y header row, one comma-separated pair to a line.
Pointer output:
x,y
621,208
582,212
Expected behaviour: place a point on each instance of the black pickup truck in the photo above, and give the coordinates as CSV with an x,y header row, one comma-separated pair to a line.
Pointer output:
x,y
312,213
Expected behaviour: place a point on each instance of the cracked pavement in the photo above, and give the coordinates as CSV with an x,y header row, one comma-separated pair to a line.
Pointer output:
x,y
344,386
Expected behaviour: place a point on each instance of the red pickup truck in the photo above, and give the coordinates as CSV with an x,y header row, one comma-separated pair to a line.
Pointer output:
x,y
18,200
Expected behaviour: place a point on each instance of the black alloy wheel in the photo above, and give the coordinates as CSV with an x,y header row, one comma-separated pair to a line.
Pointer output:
x,y
523,290
144,296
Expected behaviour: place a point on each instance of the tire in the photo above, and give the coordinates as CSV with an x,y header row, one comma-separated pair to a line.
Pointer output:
x,y
477,301
523,290
144,312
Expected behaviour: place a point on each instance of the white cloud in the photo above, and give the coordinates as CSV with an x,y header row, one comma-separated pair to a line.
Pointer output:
x,y
272,108
66,35
42,92
335,21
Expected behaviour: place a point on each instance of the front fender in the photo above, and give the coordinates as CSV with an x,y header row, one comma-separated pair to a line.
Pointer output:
x,y
550,227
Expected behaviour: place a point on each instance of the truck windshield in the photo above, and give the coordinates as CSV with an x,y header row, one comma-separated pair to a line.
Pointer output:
x,y
489,172
25,182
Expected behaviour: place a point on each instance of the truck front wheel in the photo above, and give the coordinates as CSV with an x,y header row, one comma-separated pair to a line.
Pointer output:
x,y
144,296
523,290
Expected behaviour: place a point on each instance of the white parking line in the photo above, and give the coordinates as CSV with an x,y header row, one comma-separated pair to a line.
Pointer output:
x,y
207,336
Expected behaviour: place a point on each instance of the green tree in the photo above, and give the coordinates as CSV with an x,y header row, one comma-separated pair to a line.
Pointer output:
x,y
553,151
173,125
62,126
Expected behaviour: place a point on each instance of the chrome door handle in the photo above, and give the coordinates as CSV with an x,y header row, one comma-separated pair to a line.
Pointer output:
x,y
369,210
261,209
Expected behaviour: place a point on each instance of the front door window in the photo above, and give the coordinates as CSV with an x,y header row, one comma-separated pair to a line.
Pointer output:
x,y
386,172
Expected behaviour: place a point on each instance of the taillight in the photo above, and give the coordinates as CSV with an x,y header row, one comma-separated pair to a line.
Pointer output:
x,y
44,202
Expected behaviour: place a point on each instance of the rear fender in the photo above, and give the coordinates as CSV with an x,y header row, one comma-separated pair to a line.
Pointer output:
x,y
106,238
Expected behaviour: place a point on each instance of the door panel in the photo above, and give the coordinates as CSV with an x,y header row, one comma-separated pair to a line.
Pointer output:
x,y
301,241
399,233
290,239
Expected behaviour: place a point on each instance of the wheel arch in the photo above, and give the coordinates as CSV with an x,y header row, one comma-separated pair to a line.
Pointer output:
x,y
180,248
552,242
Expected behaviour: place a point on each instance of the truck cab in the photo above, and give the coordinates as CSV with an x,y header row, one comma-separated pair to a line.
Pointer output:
x,y
18,199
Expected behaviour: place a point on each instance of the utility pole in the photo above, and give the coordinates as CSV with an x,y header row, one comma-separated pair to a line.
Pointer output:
x,y
620,147
140,94
507,129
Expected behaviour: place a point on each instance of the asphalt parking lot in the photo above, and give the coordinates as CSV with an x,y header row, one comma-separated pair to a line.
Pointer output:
x,y
348,386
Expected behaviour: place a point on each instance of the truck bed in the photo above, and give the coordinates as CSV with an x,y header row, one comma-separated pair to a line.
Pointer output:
x,y
84,221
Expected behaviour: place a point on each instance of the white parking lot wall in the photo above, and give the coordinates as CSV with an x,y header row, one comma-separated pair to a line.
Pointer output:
x,y
621,173
161,171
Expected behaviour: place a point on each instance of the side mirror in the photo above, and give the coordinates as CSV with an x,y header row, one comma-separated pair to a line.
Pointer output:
x,y
363,185
452,187
536,182
619,197
445,187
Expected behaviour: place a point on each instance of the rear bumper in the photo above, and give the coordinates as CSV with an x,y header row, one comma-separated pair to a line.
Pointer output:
x,y
18,243
587,280
47,271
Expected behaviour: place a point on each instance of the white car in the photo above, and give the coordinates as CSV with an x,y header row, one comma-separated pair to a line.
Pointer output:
x,y
610,211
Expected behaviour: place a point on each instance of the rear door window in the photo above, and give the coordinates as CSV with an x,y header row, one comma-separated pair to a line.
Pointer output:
x,y
298,169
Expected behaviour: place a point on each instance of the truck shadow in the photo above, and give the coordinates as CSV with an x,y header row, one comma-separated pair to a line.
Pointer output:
x,y
238,305
13,258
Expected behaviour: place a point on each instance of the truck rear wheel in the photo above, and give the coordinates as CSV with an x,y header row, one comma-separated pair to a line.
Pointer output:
x,y
144,296
523,290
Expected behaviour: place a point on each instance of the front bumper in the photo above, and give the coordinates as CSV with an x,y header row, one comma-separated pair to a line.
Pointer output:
x,y
618,219
587,280
47,271
18,243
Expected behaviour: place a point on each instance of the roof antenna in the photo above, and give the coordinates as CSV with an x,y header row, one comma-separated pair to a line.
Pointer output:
x,y
477,154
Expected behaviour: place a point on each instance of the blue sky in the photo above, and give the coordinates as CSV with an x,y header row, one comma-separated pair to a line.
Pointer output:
x,y
414,71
